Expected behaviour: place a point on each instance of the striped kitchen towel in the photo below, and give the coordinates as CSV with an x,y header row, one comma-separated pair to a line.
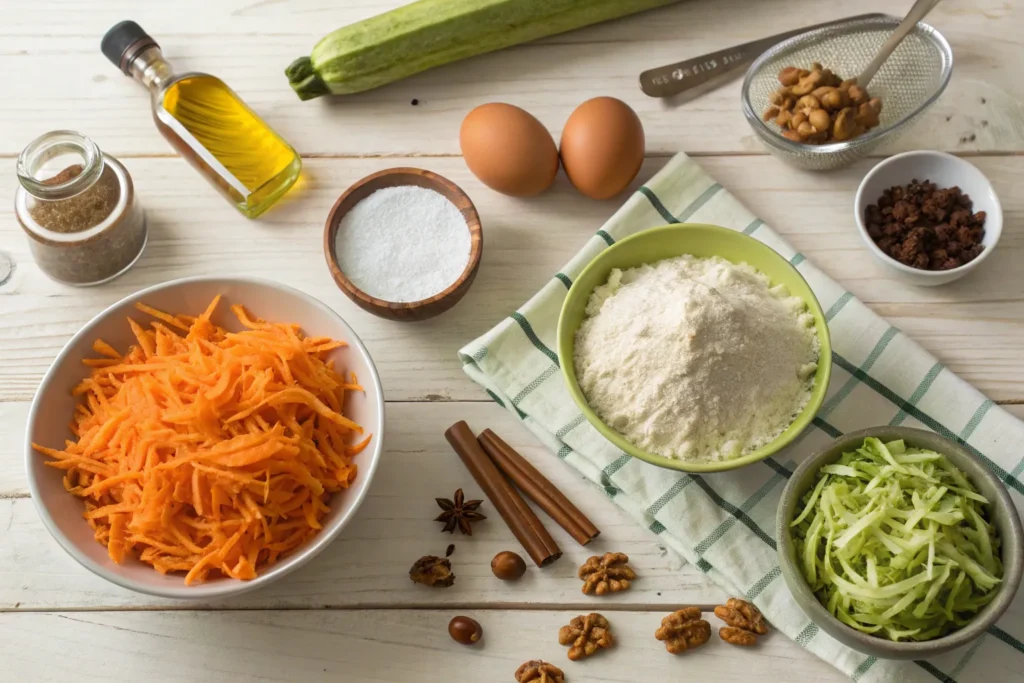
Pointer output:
x,y
724,523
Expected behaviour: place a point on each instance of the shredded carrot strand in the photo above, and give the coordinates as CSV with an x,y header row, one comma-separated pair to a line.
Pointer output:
x,y
213,453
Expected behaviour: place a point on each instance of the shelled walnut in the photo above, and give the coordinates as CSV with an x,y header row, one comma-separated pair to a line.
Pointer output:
x,y
683,630
586,634
816,106
432,571
745,622
539,671
606,574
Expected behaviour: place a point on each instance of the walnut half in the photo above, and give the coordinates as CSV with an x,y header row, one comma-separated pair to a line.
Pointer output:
x,y
432,571
606,574
683,630
585,635
539,671
745,622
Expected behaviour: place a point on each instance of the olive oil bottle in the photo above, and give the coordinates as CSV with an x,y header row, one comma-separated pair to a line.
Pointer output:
x,y
208,124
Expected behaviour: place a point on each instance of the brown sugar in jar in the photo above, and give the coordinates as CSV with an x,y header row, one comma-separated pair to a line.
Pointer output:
x,y
78,207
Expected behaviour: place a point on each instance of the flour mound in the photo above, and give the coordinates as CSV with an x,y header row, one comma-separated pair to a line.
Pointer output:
x,y
696,359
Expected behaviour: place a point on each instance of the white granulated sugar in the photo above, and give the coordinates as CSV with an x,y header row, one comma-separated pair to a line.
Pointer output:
x,y
696,359
403,244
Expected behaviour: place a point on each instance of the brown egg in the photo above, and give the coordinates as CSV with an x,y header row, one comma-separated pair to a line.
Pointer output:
x,y
602,147
508,149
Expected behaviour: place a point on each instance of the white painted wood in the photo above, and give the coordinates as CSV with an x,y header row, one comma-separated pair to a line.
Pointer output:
x,y
369,563
379,646
62,80
194,232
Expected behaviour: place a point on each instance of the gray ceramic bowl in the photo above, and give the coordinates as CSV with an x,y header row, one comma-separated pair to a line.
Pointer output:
x,y
1006,519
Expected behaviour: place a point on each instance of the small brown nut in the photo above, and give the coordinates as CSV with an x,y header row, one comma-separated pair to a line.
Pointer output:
x,y
539,671
683,630
508,566
797,119
808,83
858,95
742,614
805,130
792,135
789,103
770,113
866,116
432,571
832,98
844,125
585,635
808,102
876,104
465,630
820,91
820,119
608,573
783,117
845,85
816,66
737,636
829,78
790,75
776,97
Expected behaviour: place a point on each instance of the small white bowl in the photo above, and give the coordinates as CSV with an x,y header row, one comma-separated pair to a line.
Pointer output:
x,y
945,170
53,406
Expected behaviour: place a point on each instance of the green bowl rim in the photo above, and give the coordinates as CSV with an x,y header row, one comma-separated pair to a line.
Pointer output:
x,y
803,420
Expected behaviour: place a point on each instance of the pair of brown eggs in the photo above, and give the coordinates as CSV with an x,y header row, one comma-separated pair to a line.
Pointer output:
x,y
510,151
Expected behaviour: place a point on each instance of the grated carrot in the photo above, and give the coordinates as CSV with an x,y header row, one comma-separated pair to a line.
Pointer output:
x,y
213,453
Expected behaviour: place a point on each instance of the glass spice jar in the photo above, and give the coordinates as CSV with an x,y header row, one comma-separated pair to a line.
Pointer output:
x,y
78,207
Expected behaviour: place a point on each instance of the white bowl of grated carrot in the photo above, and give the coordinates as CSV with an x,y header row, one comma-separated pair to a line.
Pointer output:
x,y
201,453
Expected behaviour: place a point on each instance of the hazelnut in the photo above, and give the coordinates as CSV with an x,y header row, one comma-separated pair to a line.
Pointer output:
x,y
508,566
465,630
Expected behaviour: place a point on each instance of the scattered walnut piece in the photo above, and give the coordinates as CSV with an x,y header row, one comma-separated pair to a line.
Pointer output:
x,y
586,634
539,671
606,574
745,622
432,571
683,630
737,636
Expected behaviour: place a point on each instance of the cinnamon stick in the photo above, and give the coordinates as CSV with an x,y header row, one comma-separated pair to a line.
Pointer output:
x,y
538,488
523,522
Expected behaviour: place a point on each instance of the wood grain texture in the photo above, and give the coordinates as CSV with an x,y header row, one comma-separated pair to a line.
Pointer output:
x,y
194,232
249,43
378,646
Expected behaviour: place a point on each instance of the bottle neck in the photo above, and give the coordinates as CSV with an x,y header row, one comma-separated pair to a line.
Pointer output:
x,y
59,165
151,69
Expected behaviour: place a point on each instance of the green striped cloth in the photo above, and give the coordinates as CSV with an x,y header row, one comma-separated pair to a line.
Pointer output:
x,y
724,523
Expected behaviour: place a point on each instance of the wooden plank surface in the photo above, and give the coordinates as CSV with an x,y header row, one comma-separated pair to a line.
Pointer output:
x,y
249,43
383,646
194,232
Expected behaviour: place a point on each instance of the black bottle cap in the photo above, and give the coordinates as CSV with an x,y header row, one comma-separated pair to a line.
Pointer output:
x,y
123,42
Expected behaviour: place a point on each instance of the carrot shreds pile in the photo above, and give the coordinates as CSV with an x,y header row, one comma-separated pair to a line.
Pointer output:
x,y
206,451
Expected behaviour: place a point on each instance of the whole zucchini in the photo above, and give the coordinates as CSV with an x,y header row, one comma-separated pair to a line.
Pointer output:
x,y
430,33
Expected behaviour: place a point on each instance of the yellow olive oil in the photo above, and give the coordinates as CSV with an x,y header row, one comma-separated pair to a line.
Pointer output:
x,y
208,124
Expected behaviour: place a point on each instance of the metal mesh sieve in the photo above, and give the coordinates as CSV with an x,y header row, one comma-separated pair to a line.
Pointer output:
x,y
908,82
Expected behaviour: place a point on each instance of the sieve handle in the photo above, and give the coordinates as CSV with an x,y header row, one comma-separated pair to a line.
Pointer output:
x,y
715,68
918,12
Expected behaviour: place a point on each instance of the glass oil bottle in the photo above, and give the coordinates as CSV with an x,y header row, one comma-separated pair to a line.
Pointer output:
x,y
208,124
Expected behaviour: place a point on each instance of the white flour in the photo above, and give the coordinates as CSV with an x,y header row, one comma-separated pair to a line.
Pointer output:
x,y
403,244
696,359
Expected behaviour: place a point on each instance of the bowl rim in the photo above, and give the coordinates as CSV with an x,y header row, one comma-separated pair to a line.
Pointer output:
x,y
773,137
816,612
217,588
860,203
383,307
568,369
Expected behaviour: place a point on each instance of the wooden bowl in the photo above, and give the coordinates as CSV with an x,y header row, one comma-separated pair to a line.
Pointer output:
x,y
395,177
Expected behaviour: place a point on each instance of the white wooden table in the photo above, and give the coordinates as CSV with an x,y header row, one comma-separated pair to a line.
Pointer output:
x,y
352,614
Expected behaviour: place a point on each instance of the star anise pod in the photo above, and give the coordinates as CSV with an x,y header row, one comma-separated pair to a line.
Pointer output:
x,y
459,512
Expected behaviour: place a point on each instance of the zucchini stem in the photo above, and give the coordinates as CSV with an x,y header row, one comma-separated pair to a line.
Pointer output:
x,y
304,80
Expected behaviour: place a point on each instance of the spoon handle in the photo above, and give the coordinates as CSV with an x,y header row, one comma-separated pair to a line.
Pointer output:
x,y
918,12
717,67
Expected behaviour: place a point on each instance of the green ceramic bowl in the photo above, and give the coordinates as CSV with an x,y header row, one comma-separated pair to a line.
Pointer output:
x,y
702,241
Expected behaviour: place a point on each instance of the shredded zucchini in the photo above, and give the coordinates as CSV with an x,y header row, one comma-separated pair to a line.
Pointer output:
x,y
894,541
